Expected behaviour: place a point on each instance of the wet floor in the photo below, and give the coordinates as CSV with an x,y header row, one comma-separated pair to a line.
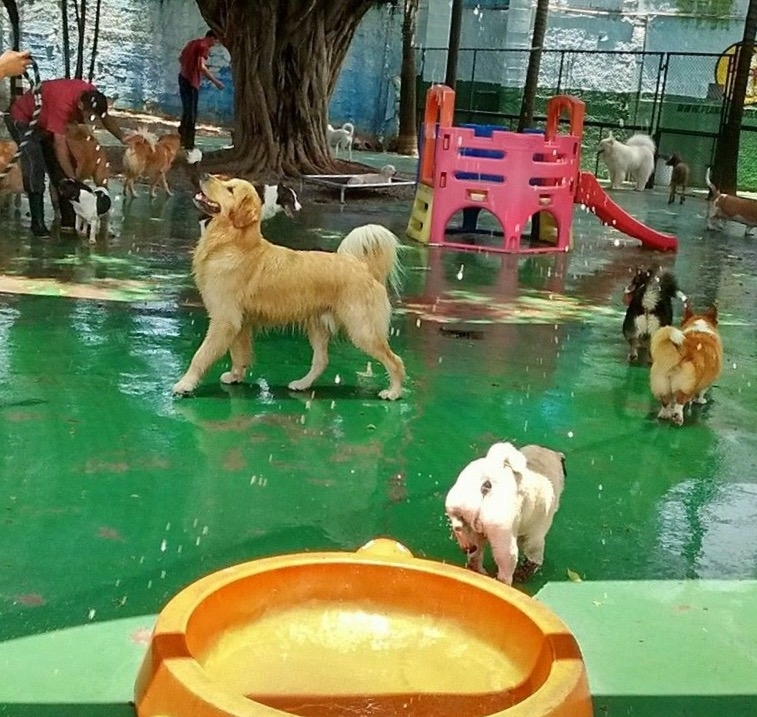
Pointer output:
x,y
114,495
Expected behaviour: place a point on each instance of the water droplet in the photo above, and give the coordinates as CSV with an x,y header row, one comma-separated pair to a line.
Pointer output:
x,y
570,434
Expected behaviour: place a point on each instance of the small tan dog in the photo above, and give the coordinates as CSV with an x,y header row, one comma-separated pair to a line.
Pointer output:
x,y
685,362
90,161
13,183
383,176
727,207
150,156
679,177
247,283
508,499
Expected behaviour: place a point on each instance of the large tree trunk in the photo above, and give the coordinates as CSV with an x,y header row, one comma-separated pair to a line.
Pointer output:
x,y
534,63
726,164
285,59
407,141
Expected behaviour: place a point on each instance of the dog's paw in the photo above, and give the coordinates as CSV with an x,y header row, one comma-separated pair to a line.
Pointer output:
x,y
299,385
677,418
525,571
665,413
231,377
390,394
183,387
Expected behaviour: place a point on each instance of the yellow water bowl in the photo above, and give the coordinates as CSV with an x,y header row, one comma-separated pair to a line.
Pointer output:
x,y
377,632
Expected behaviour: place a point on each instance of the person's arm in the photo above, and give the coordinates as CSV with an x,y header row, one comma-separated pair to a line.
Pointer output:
x,y
14,63
207,73
62,154
112,126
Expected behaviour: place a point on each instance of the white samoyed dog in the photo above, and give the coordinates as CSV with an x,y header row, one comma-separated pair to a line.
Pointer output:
x,y
633,159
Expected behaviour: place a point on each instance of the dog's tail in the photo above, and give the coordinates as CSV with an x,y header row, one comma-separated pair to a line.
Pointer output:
x,y
665,347
349,128
379,249
669,287
715,191
642,140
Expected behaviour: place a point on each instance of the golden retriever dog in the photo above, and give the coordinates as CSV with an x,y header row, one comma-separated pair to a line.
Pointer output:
x,y
507,499
13,183
90,162
247,283
685,362
150,156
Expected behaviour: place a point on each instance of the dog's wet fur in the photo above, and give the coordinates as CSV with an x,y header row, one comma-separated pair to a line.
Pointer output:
x,y
679,177
649,298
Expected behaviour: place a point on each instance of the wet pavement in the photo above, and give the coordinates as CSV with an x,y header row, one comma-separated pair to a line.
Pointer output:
x,y
115,495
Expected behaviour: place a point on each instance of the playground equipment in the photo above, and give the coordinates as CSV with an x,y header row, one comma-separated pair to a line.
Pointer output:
x,y
377,631
517,177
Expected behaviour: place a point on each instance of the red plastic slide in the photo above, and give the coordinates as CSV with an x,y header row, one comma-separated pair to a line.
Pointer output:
x,y
591,194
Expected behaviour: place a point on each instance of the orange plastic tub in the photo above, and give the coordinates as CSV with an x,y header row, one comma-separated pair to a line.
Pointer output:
x,y
376,632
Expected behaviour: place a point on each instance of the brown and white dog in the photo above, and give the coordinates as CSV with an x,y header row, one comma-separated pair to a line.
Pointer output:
x,y
685,362
90,161
150,156
12,184
728,207
508,499
679,177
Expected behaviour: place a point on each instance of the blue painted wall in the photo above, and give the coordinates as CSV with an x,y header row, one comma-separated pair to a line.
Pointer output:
x,y
139,45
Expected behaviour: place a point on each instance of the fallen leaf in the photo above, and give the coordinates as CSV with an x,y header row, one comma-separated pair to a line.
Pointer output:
x,y
575,577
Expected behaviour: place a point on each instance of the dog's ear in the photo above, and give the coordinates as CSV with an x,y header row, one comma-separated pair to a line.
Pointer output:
x,y
507,454
712,314
246,210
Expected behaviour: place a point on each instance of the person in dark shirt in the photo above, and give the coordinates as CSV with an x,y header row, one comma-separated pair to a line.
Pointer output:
x,y
192,68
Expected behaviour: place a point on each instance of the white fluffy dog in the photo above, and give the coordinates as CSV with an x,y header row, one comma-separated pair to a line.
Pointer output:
x,y
341,138
507,499
632,159
383,176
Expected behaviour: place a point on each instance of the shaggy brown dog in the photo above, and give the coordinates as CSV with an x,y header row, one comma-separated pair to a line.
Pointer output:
x,y
149,156
248,283
679,177
90,161
685,362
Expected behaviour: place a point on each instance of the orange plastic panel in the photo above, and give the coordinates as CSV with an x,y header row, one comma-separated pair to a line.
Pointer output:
x,y
573,107
440,111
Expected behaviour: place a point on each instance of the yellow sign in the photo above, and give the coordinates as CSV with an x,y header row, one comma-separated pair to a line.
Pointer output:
x,y
725,74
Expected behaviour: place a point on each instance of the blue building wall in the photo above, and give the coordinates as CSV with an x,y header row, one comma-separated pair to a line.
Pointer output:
x,y
139,45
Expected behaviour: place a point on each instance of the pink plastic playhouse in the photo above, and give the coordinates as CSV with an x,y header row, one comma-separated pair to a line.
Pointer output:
x,y
516,177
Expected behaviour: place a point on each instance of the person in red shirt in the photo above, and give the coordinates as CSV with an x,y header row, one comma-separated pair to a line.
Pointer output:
x,y
192,68
63,101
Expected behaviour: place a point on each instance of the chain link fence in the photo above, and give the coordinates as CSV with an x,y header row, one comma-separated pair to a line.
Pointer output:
x,y
678,98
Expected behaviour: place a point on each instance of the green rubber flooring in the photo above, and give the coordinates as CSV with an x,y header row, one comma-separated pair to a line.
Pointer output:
x,y
114,495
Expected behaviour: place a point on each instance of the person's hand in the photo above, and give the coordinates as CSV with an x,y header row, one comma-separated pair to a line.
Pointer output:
x,y
219,84
13,63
